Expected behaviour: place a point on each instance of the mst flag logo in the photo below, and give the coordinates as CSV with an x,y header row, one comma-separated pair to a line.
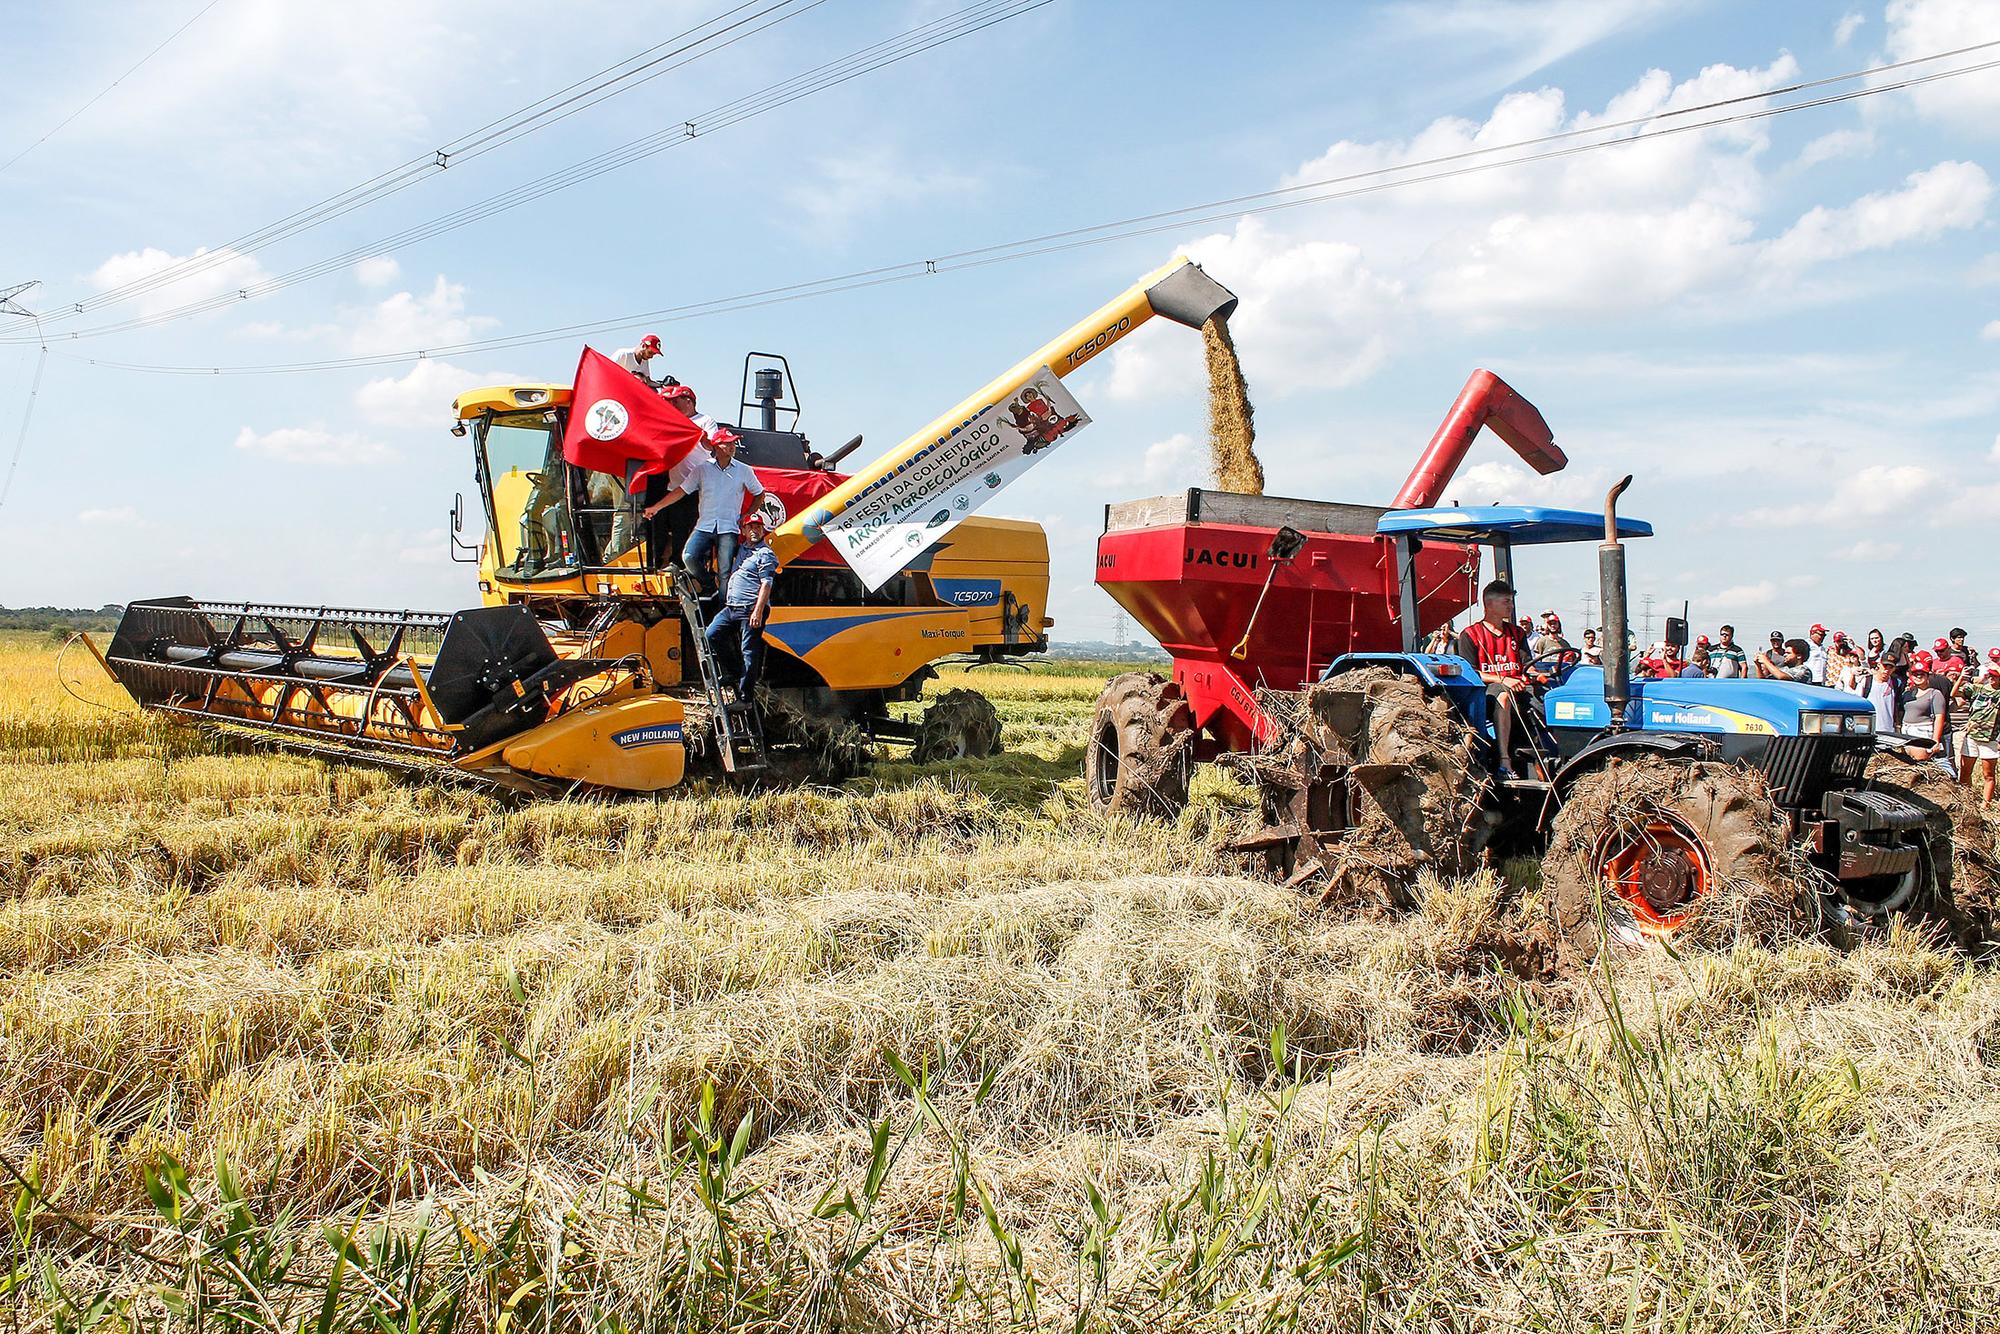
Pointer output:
x,y
606,419
619,426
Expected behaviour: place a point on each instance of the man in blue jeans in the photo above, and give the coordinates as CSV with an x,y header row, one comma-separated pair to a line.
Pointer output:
x,y
746,605
724,485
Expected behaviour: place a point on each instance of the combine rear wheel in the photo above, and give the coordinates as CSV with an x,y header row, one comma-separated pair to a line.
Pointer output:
x,y
1141,754
961,725
1650,849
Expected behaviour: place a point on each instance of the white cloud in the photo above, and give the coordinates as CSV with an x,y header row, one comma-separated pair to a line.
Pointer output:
x,y
1313,315
1991,331
1175,461
313,445
1994,453
1872,493
222,271
408,322
1836,144
1743,597
377,271
1516,40
840,191
420,399
115,515
1926,27
1843,31
1867,549
1949,196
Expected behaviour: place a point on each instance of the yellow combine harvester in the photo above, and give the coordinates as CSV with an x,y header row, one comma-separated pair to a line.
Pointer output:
x,y
584,667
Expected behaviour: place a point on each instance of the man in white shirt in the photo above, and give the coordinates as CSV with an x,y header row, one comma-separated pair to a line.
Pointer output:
x,y
635,359
682,397
723,485
1816,656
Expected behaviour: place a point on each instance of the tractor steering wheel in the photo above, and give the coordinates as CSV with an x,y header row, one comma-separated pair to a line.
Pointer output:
x,y
1564,659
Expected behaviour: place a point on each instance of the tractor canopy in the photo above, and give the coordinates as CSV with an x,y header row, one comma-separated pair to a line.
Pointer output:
x,y
1510,525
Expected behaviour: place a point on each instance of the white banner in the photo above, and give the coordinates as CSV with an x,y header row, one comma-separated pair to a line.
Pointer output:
x,y
899,516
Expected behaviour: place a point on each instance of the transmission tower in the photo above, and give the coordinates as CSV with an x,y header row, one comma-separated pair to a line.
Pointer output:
x,y
1118,629
1589,604
1646,616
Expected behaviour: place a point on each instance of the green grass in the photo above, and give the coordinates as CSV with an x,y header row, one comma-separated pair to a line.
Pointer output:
x,y
286,1045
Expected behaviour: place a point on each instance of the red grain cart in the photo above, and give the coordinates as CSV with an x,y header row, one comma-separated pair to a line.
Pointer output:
x,y
1265,591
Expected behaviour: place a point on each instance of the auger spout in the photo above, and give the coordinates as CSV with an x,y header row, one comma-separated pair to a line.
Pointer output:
x,y
1178,291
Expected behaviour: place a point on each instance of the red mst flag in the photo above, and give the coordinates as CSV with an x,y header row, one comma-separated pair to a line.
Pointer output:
x,y
620,426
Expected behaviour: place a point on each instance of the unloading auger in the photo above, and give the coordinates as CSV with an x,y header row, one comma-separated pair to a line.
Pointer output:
x,y
587,666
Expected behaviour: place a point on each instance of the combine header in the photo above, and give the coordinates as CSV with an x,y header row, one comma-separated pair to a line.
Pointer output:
x,y
588,666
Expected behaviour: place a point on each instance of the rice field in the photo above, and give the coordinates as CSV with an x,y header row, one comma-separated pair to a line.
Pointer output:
x,y
289,1045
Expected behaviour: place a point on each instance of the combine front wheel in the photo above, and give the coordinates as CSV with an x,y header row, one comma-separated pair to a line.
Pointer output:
x,y
961,725
1140,759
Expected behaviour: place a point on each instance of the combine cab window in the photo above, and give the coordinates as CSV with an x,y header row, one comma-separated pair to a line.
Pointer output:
x,y
523,477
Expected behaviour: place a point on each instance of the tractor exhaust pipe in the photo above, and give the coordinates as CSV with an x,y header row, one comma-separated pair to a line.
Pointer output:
x,y
1611,588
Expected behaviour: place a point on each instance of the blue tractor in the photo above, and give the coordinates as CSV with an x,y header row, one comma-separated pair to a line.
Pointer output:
x,y
1642,796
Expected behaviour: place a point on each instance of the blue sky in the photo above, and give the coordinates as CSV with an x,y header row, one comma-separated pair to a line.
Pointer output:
x,y
1786,329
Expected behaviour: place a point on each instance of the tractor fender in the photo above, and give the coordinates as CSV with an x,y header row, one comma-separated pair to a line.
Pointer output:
x,y
1601,750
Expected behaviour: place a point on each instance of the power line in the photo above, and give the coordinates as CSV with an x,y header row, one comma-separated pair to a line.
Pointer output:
x,y
537,115
916,41
1049,243
108,87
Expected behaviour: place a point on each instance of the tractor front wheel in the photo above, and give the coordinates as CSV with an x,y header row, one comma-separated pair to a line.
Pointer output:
x,y
961,725
1647,848
1140,758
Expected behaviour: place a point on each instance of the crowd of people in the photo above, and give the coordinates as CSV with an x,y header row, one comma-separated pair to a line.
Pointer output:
x,y
1944,700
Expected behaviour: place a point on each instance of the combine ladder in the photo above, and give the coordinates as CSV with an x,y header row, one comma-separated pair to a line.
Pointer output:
x,y
738,724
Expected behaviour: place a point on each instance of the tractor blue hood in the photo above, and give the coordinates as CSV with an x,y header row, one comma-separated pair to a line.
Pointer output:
x,y
1762,708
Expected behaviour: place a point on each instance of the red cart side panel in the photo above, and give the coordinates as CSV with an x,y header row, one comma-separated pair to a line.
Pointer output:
x,y
1193,586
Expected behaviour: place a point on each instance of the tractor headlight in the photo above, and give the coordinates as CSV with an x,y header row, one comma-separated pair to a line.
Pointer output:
x,y
1816,723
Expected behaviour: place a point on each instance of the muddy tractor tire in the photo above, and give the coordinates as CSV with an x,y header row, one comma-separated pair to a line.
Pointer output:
x,y
959,725
1140,757
1377,783
1655,849
1963,845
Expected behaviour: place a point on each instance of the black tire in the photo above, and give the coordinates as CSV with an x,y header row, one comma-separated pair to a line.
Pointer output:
x,y
959,725
811,745
1140,757
1964,892
1700,850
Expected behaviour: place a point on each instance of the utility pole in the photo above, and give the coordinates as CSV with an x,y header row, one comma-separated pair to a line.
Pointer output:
x,y
9,306
1646,638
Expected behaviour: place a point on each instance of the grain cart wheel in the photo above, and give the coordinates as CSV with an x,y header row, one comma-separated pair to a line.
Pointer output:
x,y
1141,753
1377,781
960,725
1651,848
1962,844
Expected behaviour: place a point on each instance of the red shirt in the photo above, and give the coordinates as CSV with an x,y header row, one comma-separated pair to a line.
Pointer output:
x,y
1502,652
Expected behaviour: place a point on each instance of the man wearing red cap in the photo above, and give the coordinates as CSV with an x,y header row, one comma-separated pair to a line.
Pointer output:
x,y
1816,655
636,359
723,485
